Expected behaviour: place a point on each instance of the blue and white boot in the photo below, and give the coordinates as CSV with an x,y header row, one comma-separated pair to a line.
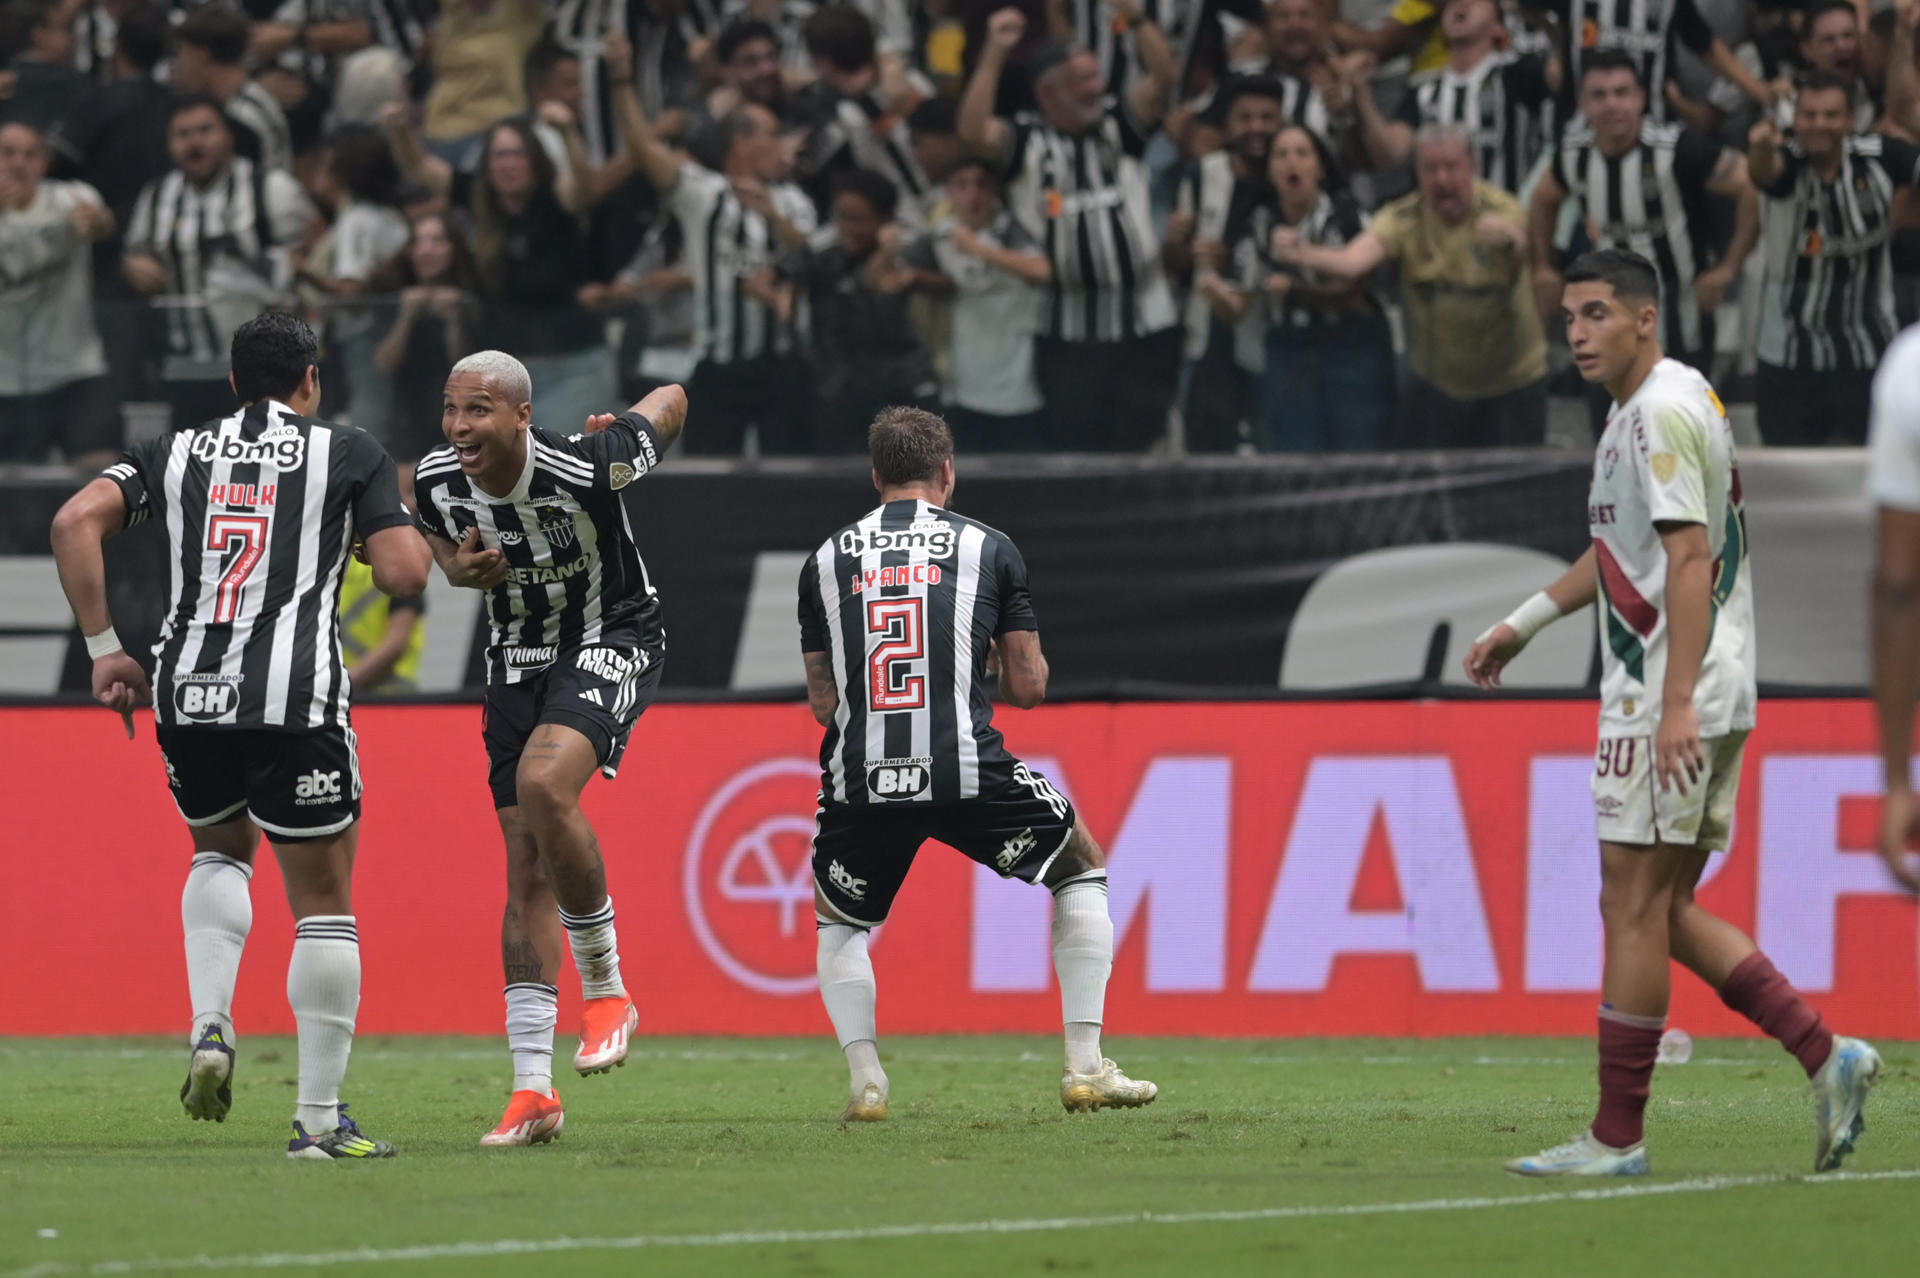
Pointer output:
x,y
1584,1156
1840,1100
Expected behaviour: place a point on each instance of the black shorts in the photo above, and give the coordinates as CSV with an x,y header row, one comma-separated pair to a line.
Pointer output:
x,y
295,783
598,691
862,851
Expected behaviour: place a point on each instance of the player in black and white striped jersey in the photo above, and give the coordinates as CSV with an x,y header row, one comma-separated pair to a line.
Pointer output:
x,y
903,614
737,222
1501,98
259,511
1826,309
1646,188
536,520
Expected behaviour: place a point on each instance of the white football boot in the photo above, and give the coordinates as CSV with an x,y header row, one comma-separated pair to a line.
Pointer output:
x,y
1839,1099
1584,1156
1108,1089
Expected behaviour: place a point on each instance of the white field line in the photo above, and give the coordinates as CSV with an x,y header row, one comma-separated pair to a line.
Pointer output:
x,y
1056,1224
761,1056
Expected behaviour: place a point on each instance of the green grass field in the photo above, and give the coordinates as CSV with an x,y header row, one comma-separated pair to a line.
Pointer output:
x,y
723,1157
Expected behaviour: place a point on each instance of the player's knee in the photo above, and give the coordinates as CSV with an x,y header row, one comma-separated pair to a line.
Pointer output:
x,y
1631,905
543,792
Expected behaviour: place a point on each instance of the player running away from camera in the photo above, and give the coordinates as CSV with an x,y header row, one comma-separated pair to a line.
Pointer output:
x,y
1669,569
535,519
259,510
902,615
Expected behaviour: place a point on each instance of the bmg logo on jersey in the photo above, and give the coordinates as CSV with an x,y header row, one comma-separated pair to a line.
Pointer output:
x,y
284,448
317,787
899,778
936,537
205,698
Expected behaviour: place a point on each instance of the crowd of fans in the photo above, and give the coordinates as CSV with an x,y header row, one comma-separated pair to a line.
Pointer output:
x,y
1067,223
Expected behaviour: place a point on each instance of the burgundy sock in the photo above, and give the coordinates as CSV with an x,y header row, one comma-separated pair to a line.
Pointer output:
x,y
1757,991
1628,1045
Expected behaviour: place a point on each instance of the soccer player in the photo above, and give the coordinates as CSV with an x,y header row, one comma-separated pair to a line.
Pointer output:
x,y
535,519
259,510
903,613
1893,481
1669,567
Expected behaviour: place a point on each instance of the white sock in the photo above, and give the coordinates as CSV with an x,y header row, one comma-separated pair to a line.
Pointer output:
x,y
531,1013
323,988
847,988
596,952
216,913
1082,959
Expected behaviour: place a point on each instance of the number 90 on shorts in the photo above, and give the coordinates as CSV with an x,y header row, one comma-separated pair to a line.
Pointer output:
x,y
1629,806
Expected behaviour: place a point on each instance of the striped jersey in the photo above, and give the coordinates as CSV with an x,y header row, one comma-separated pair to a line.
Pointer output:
x,y
858,133
1653,199
726,242
662,74
1085,200
1667,455
260,128
1095,29
1221,203
261,510
1643,29
574,575
1828,298
1301,103
1502,104
905,601
224,247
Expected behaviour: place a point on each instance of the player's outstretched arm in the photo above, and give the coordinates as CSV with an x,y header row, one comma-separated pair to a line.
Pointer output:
x,y
1023,668
80,529
1577,587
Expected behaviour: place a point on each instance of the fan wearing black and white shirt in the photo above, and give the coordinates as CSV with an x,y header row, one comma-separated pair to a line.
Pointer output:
x,y
1076,177
737,223
1501,98
210,57
535,518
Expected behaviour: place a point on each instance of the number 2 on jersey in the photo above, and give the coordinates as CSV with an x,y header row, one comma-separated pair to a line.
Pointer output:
x,y
901,625
245,538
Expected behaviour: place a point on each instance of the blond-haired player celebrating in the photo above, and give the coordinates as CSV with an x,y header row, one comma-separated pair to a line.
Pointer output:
x,y
1669,569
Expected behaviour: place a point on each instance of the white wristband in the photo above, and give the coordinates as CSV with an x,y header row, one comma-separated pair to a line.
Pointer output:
x,y
1530,618
104,644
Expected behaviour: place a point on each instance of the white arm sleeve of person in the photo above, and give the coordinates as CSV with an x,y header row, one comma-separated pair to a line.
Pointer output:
x,y
1893,443
1529,619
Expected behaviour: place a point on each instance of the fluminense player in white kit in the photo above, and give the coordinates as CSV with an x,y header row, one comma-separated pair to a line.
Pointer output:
x,y
1893,482
1670,572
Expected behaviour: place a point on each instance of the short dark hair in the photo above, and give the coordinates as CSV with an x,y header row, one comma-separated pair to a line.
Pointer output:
x,y
711,146
1632,276
185,102
141,37
936,116
908,445
842,35
271,355
742,33
973,160
541,59
362,162
1882,23
1611,60
221,31
1822,82
19,19
881,195
1821,8
1249,86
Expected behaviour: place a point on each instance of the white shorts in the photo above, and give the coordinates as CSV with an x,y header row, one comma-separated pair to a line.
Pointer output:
x,y
1630,807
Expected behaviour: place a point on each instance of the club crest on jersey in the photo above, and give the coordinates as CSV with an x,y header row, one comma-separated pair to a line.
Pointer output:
x,y
283,448
899,778
619,475
557,527
204,698
937,538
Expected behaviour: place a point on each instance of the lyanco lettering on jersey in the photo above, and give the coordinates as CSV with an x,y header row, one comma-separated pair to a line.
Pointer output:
x,y
904,575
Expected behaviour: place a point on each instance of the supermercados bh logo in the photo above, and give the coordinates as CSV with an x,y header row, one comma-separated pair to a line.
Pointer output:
x,y
748,877
936,538
205,698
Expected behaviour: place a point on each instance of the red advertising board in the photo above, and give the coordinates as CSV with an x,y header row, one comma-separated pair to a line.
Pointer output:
x,y
1277,869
